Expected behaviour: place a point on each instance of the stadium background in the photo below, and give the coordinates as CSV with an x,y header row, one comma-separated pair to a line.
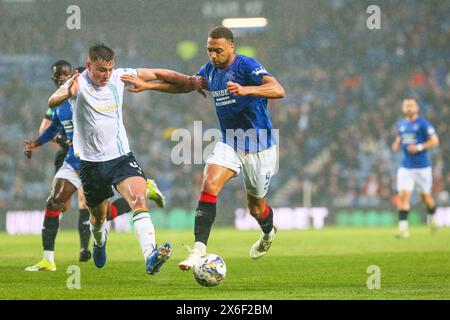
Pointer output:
x,y
344,86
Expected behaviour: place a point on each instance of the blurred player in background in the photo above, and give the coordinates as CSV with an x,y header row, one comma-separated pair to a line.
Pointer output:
x,y
65,184
60,128
415,135
60,72
241,87
101,141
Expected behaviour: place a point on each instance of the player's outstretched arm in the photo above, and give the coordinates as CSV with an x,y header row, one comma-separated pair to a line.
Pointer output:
x,y
46,136
164,75
186,84
270,88
66,91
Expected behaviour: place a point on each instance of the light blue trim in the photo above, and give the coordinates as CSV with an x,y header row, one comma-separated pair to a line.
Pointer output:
x,y
116,98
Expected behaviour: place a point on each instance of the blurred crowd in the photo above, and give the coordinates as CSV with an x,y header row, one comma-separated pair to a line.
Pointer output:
x,y
344,86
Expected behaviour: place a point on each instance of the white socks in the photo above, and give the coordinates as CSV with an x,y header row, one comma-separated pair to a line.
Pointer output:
x,y
403,225
200,247
270,235
145,232
99,234
49,256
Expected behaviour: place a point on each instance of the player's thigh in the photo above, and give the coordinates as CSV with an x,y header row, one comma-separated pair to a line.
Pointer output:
x,y
423,178
258,170
81,199
222,164
129,179
99,212
65,184
214,178
133,190
405,180
96,186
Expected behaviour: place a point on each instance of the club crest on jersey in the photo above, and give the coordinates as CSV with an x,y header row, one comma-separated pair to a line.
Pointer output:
x,y
231,76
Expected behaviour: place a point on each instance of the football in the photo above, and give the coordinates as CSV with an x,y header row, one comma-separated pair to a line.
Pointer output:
x,y
210,270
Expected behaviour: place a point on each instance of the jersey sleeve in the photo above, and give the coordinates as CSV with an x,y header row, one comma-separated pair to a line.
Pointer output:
x,y
428,129
130,71
202,71
397,128
49,113
254,71
51,132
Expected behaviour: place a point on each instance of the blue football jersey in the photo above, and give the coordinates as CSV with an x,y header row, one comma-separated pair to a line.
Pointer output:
x,y
414,132
244,121
62,120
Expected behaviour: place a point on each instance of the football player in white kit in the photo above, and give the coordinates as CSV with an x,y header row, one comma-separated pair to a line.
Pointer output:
x,y
415,135
101,142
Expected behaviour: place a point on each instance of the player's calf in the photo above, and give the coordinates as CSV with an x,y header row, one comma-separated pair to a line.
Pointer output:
x,y
265,221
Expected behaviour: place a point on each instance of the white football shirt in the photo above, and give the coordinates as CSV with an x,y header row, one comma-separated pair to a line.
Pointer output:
x,y
99,134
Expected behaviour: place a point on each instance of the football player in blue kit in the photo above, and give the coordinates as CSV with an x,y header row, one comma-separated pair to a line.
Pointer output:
x,y
65,182
60,72
240,87
415,136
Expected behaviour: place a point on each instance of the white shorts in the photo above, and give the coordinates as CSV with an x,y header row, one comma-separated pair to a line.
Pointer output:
x,y
258,168
408,178
68,172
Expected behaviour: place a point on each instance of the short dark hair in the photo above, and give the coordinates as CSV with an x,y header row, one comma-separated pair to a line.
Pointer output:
x,y
221,32
59,65
80,69
100,52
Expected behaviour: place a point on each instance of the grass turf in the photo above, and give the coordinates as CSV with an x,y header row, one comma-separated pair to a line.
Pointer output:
x,y
315,264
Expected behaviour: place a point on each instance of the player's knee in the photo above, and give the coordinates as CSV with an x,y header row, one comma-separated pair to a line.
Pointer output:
x,y
138,201
97,221
428,200
211,185
403,197
56,203
82,204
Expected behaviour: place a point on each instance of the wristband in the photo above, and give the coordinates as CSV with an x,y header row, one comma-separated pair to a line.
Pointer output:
x,y
420,147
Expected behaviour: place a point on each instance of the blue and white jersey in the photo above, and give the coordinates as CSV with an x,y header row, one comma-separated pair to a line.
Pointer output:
x,y
414,132
62,120
244,121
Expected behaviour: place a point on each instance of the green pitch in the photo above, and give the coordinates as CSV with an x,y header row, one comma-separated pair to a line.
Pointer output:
x,y
326,264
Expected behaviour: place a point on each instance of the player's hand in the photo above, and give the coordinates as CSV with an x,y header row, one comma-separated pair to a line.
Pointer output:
x,y
28,149
139,84
412,148
199,84
236,89
73,84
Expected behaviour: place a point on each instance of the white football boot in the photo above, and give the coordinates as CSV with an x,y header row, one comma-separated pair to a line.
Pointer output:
x,y
402,234
190,261
261,246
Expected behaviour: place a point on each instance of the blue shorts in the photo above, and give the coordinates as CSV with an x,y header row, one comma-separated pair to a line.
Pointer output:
x,y
98,177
